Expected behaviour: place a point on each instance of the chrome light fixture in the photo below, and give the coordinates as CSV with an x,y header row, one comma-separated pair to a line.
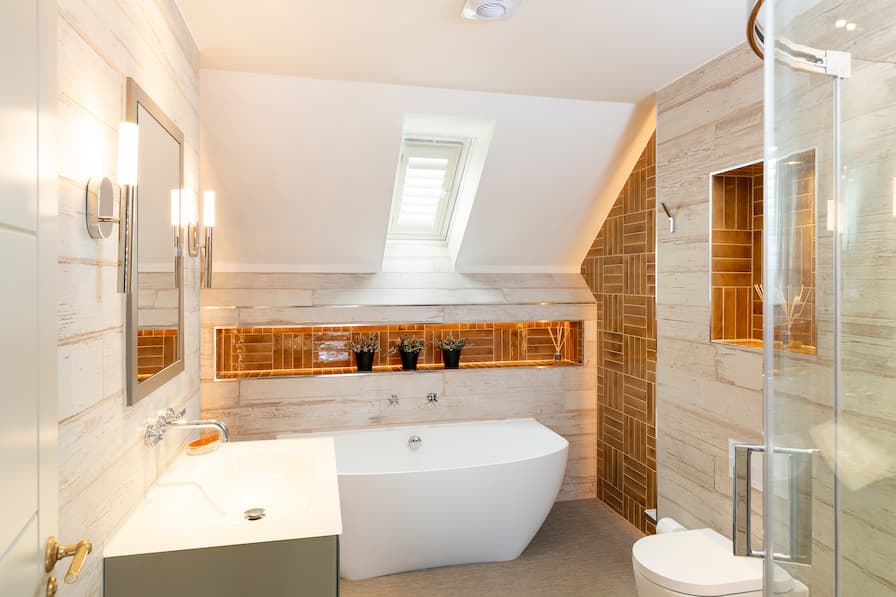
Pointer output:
x,y
190,221
101,196
176,219
208,220
194,229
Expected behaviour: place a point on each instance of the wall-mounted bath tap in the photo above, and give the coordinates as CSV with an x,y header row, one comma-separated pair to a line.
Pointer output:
x,y
205,424
155,433
394,400
171,415
432,397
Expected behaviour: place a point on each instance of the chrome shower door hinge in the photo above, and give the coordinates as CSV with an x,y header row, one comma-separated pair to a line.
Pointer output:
x,y
838,64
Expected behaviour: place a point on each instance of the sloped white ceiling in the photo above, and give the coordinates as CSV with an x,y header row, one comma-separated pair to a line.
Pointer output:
x,y
304,172
585,49
302,105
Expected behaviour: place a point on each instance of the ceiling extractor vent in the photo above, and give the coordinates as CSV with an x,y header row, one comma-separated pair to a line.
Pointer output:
x,y
489,10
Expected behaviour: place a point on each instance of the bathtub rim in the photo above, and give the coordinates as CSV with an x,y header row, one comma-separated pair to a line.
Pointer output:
x,y
564,447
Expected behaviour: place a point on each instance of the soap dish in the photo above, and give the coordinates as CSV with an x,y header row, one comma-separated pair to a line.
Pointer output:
x,y
204,445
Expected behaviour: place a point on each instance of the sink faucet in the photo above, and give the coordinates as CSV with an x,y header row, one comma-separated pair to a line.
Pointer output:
x,y
204,424
155,433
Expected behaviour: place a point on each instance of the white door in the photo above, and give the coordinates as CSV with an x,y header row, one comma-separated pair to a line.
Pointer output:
x,y
27,295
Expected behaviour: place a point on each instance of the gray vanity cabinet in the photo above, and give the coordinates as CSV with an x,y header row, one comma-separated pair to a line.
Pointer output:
x,y
292,568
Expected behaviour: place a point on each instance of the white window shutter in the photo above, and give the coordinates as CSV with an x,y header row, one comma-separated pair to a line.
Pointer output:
x,y
426,187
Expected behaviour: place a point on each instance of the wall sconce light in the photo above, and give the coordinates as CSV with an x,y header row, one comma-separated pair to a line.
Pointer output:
x,y
128,138
190,221
175,218
101,196
208,220
196,248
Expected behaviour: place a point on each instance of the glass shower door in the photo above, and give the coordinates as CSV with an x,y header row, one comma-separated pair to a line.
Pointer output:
x,y
830,295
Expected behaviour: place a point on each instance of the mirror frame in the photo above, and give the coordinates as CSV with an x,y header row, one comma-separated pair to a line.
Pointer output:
x,y
137,390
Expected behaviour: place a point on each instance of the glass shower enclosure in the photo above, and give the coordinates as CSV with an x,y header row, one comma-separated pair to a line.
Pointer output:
x,y
830,272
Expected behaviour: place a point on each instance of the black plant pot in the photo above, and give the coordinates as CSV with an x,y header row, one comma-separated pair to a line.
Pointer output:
x,y
451,358
409,360
364,360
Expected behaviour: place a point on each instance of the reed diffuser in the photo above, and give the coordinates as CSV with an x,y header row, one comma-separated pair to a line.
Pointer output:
x,y
558,339
791,303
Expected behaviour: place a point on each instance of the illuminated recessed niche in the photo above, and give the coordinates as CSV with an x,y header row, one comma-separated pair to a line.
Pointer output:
x,y
156,349
737,285
243,352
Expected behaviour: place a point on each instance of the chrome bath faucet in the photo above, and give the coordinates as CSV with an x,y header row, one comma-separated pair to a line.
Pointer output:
x,y
155,433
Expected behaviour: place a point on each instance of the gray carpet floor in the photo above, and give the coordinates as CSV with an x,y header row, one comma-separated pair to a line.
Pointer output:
x,y
584,548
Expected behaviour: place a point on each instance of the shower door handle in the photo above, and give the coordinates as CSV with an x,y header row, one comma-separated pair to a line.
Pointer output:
x,y
742,525
799,531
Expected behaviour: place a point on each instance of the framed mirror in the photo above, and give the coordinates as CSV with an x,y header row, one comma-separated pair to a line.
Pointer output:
x,y
155,305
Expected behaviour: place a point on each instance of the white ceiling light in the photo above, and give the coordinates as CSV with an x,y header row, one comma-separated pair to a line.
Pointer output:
x,y
489,10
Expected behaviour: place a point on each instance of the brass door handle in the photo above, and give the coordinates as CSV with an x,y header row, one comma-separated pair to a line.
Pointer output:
x,y
77,551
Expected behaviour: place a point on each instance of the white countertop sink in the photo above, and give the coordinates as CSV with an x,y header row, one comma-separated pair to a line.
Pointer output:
x,y
201,501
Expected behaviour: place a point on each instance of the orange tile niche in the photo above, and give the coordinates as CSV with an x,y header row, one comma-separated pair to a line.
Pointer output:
x,y
156,349
737,289
323,350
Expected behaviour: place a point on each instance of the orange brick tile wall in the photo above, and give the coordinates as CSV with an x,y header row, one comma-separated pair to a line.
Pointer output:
x,y
734,247
620,269
323,350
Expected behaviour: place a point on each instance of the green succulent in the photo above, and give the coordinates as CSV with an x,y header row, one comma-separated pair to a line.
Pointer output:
x,y
451,343
408,344
369,343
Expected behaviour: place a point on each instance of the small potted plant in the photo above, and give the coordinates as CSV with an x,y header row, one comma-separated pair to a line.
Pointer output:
x,y
409,349
364,349
450,347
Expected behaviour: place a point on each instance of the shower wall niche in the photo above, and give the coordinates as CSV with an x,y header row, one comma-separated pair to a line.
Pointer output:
x,y
737,287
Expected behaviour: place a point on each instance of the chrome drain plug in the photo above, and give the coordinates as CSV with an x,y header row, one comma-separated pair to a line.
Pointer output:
x,y
254,513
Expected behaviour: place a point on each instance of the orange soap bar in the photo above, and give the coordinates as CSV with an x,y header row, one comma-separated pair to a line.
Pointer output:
x,y
204,444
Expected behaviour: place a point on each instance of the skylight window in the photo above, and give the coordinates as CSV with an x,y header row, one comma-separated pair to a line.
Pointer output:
x,y
426,187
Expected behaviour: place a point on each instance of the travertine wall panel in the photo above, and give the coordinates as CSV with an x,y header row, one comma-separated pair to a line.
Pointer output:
x,y
620,269
104,469
563,398
708,121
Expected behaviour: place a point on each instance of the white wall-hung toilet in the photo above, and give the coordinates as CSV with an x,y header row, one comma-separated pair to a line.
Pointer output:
x,y
701,563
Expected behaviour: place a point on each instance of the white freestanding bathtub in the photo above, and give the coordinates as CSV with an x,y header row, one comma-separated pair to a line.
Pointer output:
x,y
467,492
